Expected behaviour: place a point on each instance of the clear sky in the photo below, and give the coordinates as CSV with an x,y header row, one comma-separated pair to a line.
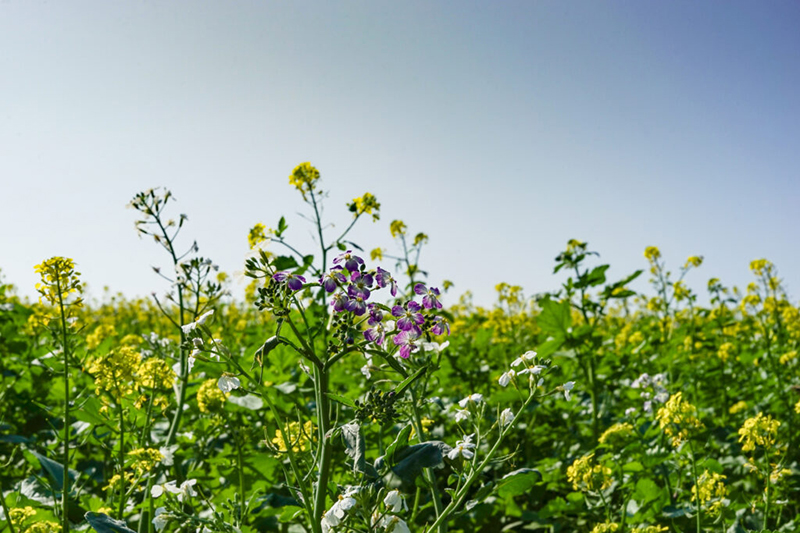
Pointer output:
x,y
501,129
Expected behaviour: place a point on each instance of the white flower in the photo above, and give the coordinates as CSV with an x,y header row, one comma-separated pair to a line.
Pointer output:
x,y
535,370
629,411
394,524
395,502
506,377
228,382
365,370
462,414
463,448
568,388
329,521
168,454
186,490
169,486
435,346
648,406
472,398
188,328
524,358
506,417
162,518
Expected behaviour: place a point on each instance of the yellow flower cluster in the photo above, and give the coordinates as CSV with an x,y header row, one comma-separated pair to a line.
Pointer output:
x,y
299,437
788,357
366,204
100,333
681,291
758,431
778,474
711,490
21,514
117,482
114,372
209,397
586,475
257,235
695,261
606,527
59,280
574,245
397,228
738,407
726,350
677,419
758,266
376,254
44,527
617,435
652,253
156,374
304,177
145,459
650,529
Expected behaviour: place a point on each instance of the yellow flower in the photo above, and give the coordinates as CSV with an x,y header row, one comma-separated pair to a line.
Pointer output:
x,y
299,437
156,374
677,419
650,529
652,253
758,431
778,474
21,514
797,407
101,333
738,407
114,372
695,261
366,204
788,357
257,235
710,488
420,238
617,435
574,245
145,459
585,475
605,527
397,228
726,350
681,291
209,397
376,254
44,527
116,482
636,338
59,280
757,266
304,177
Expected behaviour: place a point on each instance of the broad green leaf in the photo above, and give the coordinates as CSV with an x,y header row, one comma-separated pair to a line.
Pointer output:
x,y
518,482
555,318
341,399
102,523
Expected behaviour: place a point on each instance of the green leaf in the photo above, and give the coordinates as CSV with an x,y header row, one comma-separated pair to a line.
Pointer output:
x,y
399,442
518,482
555,318
102,523
550,346
413,459
341,399
284,262
633,466
290,512
401,388
595,277
55,470
248,401
282,226
646,490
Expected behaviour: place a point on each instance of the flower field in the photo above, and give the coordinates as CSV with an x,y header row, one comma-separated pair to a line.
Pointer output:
x,y
347,394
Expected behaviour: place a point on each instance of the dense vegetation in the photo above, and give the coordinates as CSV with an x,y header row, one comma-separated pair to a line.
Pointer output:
x,y
339,397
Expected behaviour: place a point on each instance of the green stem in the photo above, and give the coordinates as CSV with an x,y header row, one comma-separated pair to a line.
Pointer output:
x,y
428,473
65,459
697,489
324,465
121,414
5,510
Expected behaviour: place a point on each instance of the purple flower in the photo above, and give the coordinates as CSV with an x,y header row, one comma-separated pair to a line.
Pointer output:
x,y
375,315
351,261
357,305
408,317
332,279
405,340
376,334
440,325
359,285
293,281
339,302
429,301
383,277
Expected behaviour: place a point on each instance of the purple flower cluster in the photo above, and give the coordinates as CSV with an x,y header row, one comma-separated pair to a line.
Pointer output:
x,y
355,285
293,281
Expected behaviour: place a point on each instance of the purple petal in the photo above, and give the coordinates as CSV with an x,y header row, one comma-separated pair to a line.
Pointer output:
x,y
419,288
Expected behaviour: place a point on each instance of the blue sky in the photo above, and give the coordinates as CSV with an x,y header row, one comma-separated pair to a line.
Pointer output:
x,y
501,129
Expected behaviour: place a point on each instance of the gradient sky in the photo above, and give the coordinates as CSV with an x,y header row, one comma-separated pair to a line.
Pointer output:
x,y
501,129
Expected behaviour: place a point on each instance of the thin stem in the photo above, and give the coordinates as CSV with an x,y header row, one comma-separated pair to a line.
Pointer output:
x,y
696,488
65,459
